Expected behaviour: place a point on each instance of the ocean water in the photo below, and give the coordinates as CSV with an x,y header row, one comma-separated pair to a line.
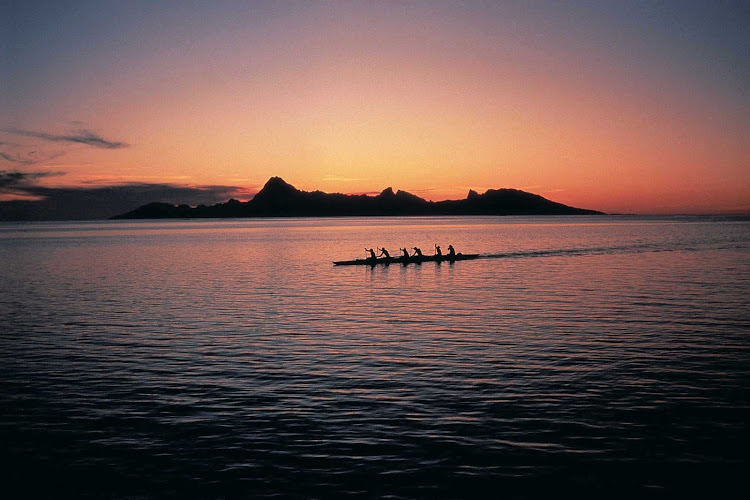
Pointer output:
x,y
230,359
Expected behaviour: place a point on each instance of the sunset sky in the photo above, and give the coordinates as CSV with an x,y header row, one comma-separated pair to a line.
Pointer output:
x,y
626,106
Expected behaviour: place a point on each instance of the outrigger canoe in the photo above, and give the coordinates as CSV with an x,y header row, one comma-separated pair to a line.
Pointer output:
x,y
404,260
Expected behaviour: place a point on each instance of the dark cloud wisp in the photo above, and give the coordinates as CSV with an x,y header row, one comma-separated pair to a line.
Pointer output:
x,y
13,179
98,202
15,159
81,137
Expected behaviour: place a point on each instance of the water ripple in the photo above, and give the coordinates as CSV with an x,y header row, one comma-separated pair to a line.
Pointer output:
x,y
230,359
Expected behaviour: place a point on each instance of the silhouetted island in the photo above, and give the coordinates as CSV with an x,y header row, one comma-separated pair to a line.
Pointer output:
x,y
280,199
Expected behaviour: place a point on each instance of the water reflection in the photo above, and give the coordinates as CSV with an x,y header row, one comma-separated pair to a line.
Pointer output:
x,y
230,358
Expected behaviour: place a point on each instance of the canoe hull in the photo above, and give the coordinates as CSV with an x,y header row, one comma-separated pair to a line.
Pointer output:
x,y
404,260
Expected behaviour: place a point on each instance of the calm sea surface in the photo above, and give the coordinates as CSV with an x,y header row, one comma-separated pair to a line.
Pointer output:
x,y
229,358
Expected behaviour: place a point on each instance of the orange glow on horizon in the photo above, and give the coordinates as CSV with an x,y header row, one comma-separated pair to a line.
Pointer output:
x,y
435,111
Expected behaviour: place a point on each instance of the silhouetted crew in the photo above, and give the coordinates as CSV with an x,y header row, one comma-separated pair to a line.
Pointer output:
x,y
384,253
417,252
406,253
451,251
372,253
437,251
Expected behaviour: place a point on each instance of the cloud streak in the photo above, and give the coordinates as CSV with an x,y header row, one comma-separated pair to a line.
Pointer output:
x,y
336,178
15,159
15,179
29,201
81,137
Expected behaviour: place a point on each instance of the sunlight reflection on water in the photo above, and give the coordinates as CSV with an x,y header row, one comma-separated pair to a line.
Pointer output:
x,y
213,358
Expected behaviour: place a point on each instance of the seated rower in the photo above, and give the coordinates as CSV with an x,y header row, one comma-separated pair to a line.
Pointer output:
x,y
405,253
384,253
417,252
372,253
438,253
451,251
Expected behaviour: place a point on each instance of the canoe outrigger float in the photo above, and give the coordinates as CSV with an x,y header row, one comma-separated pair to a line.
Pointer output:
x,y
403,260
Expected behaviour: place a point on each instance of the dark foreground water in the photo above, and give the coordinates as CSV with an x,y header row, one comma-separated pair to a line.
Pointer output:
x,y
600,356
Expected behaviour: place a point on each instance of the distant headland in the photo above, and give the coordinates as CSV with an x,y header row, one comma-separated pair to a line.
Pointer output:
x,y
280,199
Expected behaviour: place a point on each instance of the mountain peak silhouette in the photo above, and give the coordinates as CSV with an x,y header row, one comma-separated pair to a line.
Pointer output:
x,y
280,199
274,191
277,185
